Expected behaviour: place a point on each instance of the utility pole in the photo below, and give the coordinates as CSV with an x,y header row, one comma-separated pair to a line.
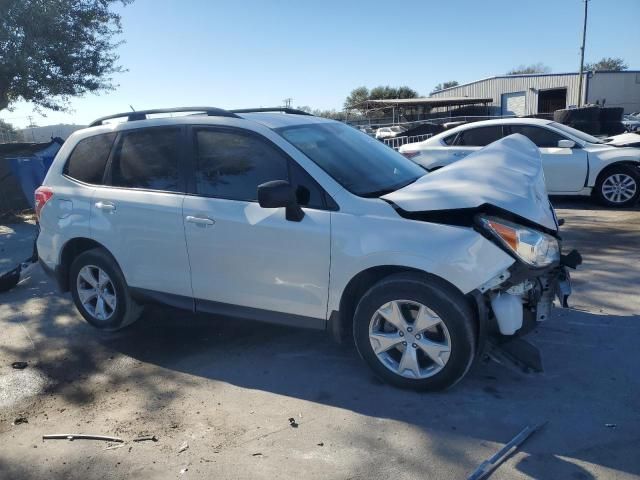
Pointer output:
x,y
584,37
33,138
287,102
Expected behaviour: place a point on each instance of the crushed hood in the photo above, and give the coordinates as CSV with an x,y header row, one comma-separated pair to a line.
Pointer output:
x,y
506,174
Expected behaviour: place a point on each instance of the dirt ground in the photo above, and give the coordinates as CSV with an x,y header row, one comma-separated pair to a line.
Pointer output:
x,y
218,394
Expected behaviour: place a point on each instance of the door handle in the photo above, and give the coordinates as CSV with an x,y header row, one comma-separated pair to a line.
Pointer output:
x,y
106,206
460,154
199,220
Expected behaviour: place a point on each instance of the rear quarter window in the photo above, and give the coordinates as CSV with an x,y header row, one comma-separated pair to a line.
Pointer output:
x,y
89,158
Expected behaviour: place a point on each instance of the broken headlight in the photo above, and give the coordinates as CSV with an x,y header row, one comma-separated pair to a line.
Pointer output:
x,y
535,248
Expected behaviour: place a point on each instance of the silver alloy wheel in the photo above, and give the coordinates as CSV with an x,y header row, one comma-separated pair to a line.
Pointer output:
x,y
96,292
619,187
409,339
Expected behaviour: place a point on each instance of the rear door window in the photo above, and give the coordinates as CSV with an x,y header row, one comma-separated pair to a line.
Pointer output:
x,y
89,158
542,137
148,159
480,136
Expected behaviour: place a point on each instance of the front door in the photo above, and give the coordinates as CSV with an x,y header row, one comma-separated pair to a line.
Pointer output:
x,y
246,259
565,169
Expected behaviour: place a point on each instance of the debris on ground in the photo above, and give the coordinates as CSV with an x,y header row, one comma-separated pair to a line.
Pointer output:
x,y
81,436
146,438
19,365
20,420
293,423
184,470
257,454
488,466
183,447
113,447
610,425
321,444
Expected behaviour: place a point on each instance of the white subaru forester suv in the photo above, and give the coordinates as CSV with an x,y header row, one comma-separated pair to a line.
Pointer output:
x,y
283,217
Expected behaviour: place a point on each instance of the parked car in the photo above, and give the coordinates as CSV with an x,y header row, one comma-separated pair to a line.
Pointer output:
x,y
575,163
366,129
631,123
389,132
304,221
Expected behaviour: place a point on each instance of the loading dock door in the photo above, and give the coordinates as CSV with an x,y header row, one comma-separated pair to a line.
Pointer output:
x,y
551,100
514,104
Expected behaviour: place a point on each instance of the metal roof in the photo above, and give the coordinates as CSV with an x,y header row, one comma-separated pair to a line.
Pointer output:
x,y
427,101
518,75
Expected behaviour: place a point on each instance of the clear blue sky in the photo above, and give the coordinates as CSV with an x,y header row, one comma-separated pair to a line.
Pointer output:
x,y
245,53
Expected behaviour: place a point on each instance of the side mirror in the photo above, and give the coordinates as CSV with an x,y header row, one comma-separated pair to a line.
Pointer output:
x,y
278,194
566,144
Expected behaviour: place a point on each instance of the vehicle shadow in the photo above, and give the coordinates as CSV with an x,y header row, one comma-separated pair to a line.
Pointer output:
x,y
590,381
492,404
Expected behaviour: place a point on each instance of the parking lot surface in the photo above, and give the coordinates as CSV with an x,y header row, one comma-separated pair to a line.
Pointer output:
x,y
218,394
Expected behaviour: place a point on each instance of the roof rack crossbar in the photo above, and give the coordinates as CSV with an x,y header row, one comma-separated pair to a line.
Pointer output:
x,y
293,111
142,114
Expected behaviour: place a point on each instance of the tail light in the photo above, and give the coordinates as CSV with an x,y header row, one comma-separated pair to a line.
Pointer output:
x,y
42,196
411,154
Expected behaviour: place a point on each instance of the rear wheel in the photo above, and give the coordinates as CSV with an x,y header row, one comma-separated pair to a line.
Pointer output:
x,y
415,332
618,187
100,292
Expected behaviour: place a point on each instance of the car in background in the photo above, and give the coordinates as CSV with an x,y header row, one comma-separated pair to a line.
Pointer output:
x,y
575,163
631,123
366,129
389,132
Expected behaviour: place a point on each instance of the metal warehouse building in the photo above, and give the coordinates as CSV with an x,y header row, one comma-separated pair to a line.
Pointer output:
x,y
544,93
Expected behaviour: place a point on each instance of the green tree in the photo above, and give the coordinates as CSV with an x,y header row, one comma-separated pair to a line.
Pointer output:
x,y
51,50
356,97
607,63
445,85
382,92
8,133
533,68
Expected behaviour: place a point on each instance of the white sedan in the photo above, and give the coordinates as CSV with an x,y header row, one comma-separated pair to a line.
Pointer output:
x,y
574,162
389,132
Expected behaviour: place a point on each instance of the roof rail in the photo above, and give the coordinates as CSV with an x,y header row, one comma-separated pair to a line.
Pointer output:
x,y
142,114
293,111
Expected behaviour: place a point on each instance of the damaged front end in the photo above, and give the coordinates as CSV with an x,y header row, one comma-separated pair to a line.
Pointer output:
x,y
514,302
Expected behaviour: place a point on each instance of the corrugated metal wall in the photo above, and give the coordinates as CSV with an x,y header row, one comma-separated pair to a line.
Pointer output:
x,y
618,89
530,84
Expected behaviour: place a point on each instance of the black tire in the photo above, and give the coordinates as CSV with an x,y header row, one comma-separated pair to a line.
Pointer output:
x,y
629,171
592,128
443,299
612,128
611,114
127,310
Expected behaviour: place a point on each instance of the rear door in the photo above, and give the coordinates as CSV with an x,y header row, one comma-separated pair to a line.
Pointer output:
x,y
565,169
246,259
473,139
137,214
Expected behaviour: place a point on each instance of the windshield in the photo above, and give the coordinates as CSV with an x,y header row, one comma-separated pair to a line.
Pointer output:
x,y
585,137
359,163
397,129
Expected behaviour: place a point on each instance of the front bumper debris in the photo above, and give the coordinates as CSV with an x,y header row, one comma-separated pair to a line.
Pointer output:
x,y
517,308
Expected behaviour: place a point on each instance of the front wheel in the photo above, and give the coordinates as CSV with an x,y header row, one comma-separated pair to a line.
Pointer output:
x,y
618,187
415,331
